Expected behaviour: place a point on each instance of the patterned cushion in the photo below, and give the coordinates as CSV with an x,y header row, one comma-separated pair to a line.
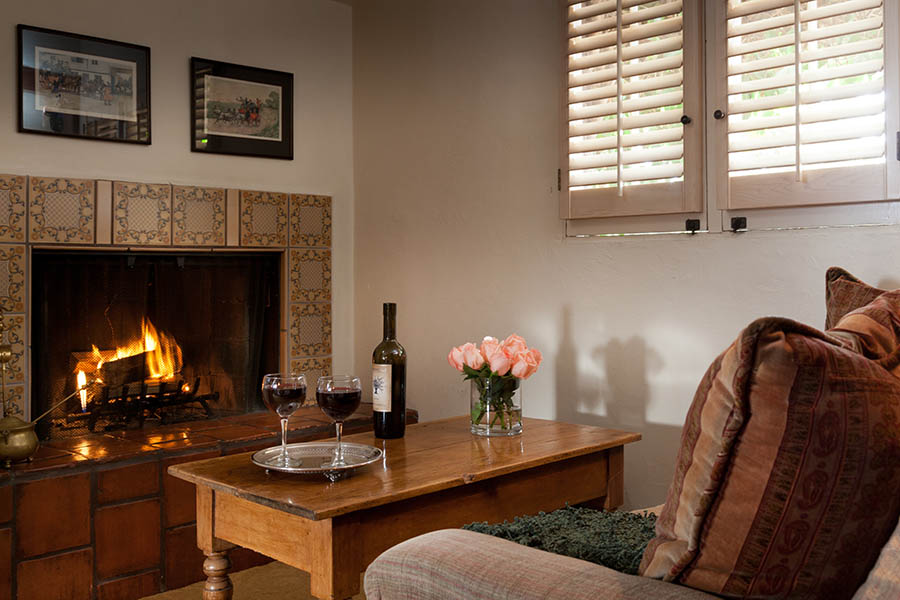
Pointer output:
x,y
787,481
844,293
874,329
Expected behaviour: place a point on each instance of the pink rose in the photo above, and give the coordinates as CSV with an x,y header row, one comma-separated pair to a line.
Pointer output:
x,y
489,347
513,345
524,365
538,357
472,356
456,358
500,363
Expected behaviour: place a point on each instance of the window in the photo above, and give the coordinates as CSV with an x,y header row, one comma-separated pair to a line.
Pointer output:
x,y
800,110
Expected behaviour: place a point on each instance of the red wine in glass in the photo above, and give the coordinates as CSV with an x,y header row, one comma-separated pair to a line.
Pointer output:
x,y
283,394
284,401
339,403
338,396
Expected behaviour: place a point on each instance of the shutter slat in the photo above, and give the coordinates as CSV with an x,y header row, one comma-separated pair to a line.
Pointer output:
x,y
595,59
610,106
752,7
841,50
851,27
635,156
783,100
823,12
646,84
666,117
736,46
735,28
643,18
762,64
643,138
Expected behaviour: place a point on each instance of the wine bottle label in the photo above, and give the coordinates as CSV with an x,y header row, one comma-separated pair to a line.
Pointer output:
x,y
381,388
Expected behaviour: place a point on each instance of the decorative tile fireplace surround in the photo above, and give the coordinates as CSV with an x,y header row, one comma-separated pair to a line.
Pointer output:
x,y
97,517
47,212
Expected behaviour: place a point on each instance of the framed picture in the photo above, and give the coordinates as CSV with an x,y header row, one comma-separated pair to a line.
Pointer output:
x,y
79,86
241,110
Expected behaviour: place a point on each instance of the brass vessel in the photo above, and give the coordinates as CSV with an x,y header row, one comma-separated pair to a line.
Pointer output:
x,y
18,441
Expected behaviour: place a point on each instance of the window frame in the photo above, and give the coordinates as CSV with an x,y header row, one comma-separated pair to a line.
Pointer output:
x,y
716,214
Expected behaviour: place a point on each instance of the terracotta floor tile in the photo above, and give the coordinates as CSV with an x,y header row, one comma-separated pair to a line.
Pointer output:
x,y
184,561
179,496
127,537
46,464
130,588
237,433
5,564
66,576
6,503
40,508
194,441
115,449
132,481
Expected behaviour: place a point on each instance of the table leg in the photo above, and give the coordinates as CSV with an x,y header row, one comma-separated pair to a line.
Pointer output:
x,y
218,584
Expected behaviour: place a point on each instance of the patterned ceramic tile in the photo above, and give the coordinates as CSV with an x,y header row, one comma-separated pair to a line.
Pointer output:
x,y
142,213
310,220
198,216
12,208
313,368
12,278
15,396
264,219
310,329
310,275
61,210
14,334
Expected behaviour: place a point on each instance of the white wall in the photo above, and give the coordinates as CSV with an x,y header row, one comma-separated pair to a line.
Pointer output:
x,y
456,151
311,39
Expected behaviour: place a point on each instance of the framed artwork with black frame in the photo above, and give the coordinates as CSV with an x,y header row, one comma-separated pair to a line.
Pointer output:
x,y
241,110
80,86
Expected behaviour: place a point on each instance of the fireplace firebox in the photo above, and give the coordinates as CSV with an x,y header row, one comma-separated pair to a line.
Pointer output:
x,y
150,336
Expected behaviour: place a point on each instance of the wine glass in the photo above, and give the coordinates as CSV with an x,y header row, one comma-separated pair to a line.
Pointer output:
x,y
283,393
338,396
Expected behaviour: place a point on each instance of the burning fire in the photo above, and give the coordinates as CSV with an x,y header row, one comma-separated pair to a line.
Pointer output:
x,y
161,352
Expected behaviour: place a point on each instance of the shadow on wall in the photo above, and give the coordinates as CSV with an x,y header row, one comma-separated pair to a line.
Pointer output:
x,y
624,392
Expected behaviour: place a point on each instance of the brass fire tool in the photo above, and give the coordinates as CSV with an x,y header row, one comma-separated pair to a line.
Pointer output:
x,y
18,440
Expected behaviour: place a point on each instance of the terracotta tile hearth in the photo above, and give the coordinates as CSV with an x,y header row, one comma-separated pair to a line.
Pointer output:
x,y
99,517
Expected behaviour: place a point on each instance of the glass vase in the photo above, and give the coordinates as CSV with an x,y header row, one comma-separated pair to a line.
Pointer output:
x,y
495,405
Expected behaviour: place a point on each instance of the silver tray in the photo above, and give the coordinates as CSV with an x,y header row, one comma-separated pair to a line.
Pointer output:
x,y
315,457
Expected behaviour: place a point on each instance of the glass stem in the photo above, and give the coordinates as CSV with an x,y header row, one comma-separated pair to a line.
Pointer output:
x,y
284,423
339,428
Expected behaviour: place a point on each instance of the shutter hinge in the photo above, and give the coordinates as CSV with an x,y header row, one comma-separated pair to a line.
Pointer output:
x,y
898,145
738,224
692,225
559,171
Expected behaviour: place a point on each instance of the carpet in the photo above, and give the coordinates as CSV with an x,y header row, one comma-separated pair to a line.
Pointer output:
x,y
274,581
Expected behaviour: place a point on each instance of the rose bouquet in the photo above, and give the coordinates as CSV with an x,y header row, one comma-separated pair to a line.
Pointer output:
x,y
496,371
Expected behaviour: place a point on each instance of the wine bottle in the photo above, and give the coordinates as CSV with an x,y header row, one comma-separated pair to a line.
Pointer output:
x,y
389,380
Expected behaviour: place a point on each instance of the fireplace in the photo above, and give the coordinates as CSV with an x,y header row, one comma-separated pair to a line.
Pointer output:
x,y
156,336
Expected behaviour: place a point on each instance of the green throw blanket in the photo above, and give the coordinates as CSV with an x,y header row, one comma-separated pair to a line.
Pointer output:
x,y
612,539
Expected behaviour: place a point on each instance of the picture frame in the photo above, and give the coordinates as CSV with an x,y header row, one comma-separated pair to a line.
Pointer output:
x,y
241,110
75,85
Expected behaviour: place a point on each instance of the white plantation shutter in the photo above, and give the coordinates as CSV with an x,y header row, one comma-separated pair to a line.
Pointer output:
x,y
633,72
802,87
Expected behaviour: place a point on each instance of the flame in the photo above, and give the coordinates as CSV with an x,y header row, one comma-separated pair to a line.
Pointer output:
x,y
82,382
163,356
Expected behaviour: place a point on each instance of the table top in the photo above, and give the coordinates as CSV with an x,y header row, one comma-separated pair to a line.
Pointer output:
x,y
432,456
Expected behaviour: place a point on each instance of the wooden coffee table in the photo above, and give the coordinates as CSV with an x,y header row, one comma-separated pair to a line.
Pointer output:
x,y
438,476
